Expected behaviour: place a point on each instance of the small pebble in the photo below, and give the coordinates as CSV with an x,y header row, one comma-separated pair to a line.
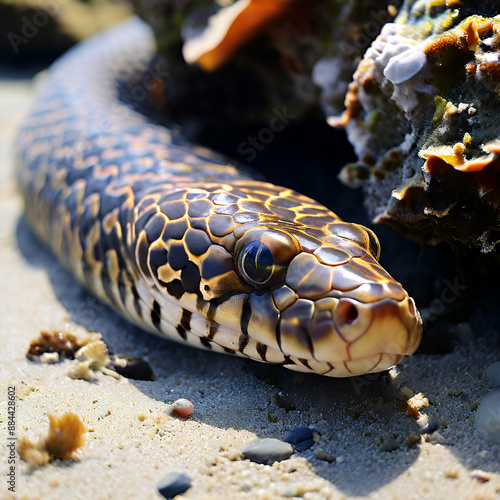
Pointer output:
x,y
129,366
302,438
387,443
50,358
493,374
407,393
413,439
451,473
488,417
480,476
174,484
267,451
435,438
323,455
464,332
181,408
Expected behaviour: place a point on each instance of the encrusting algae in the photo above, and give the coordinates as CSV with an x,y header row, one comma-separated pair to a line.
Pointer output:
x,y
423,114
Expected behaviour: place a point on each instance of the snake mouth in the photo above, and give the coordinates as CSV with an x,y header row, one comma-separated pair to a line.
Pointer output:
x,y
371,364
348,337
393,332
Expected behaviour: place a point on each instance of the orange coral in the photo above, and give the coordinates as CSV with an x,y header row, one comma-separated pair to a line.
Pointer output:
x,y
66,436
467,36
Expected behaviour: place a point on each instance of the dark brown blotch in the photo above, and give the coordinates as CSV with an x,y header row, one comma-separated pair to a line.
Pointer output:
x,y
214,327
243,217
220,225
175,230
174,196
190,278
175,288
186,319
205,343
283,203
174,210
144,218
196,195
177,256
197,242
223,198
255,206
157,258
226,209
200,208
216,263
156,314
284,214
199,223
315,220
154,228
182,332
262,350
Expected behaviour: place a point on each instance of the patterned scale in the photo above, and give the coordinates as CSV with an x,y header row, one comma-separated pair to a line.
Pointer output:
x,y
188,247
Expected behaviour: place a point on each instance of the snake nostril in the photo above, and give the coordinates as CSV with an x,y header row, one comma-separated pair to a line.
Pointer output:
x,y
347,312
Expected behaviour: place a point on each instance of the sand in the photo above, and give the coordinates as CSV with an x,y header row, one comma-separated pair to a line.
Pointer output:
x,y
132,443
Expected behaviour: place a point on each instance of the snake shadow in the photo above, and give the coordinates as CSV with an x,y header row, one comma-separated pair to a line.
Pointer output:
x,y
350,414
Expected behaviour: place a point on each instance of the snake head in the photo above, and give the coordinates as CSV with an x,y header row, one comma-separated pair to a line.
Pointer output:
x,y
334,309
269,274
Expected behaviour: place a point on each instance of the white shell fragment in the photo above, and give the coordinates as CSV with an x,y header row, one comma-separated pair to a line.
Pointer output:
x,y
218,26
488,417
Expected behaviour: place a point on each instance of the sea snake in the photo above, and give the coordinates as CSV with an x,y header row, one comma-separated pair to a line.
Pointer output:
x,y
185,245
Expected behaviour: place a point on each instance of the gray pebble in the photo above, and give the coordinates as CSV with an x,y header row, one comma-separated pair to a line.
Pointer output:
x,y
493,373
387,443
267,451
174,484
323,455
464,332
301,438
488,417
436,438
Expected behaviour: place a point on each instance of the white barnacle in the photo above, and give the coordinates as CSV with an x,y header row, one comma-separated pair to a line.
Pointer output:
x,y
405,62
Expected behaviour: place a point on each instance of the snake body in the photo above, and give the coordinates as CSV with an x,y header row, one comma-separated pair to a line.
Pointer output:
x,y
188,247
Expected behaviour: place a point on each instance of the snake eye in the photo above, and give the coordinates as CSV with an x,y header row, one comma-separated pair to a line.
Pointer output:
x,y
257,263
262,254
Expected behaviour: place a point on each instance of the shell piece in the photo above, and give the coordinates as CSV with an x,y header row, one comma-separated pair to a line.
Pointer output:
x,y
230,28
257,55
422,113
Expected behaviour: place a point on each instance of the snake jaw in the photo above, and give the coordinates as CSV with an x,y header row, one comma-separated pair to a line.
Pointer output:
x,y
368,325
